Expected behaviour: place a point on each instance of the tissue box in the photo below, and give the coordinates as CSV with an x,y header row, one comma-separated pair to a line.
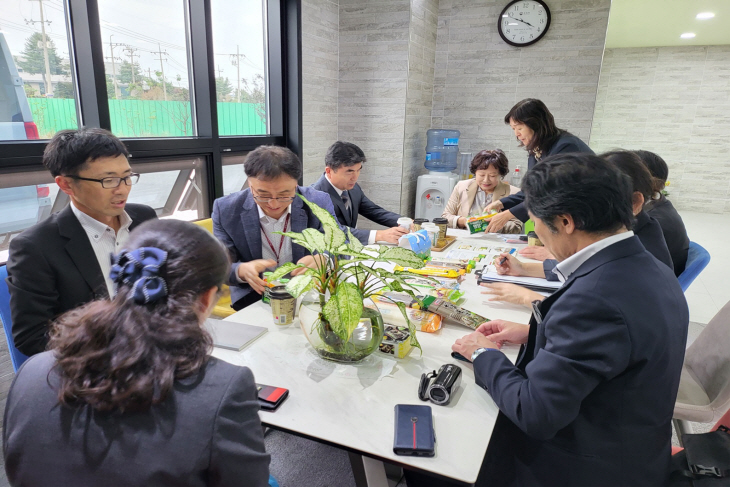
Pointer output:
x,y
417,242
396,341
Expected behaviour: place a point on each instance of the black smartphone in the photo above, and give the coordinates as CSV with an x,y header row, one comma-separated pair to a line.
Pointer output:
x,y
270,397
414,433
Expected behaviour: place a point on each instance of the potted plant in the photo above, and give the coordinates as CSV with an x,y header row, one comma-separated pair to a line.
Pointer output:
x,y
332,314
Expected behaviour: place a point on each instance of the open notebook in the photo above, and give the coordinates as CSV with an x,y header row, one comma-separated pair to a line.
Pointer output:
x,y
231,335
534,283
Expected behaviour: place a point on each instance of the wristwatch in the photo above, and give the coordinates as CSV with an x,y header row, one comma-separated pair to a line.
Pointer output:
x,y
477,353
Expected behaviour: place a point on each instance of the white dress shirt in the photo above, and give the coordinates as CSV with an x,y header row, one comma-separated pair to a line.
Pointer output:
x,y
565,268
104,240
371,237
270,225
481,200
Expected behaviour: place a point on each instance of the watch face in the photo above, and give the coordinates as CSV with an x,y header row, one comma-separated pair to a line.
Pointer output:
x,y
524,22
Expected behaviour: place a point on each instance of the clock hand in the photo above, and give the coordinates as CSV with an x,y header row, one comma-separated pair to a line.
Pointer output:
x,y
520,20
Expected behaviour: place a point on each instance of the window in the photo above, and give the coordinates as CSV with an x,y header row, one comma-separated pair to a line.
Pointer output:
x,y
234,177
146,66
239,40
37,96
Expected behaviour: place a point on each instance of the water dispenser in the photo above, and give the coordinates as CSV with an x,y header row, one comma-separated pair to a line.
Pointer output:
x,y
433,189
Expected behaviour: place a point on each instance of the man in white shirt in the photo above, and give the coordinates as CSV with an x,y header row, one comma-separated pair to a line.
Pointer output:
x,y
246,221
344,162
64,261
591,396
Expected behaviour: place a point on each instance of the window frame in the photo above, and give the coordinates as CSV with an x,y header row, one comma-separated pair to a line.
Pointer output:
x,y
87,62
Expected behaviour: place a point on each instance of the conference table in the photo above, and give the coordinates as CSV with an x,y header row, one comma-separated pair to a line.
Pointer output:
x,y
352,406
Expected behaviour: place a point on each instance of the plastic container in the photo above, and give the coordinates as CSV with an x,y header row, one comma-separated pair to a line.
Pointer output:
x,y
442,149
465,159
516,179
282,305
443,224
418,222
433,232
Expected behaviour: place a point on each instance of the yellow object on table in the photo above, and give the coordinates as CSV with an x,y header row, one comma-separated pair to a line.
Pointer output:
x,y
223,306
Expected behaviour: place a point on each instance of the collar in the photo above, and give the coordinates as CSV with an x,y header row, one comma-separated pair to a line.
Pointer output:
x,y
338,190
263,217
94,228
565,268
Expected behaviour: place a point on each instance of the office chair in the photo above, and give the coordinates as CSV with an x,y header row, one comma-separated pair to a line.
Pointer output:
x,y
223,306
16,357
697,260
704,386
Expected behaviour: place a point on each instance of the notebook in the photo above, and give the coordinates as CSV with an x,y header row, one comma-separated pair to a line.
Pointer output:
x,y
231,335
534,283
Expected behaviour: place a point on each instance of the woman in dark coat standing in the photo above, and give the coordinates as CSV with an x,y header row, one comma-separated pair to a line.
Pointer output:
x,y
534,126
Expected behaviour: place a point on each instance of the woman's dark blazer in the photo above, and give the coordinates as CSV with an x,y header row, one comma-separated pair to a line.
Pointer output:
x,y
565,144
207,432
673,229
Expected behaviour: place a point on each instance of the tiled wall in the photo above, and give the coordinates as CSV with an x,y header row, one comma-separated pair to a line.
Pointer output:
x,y
479,77
674,101
320,81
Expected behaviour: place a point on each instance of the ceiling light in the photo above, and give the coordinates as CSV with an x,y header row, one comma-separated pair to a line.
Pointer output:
x,y
687,35
705,15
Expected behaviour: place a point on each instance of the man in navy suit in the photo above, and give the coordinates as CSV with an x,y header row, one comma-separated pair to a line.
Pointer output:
x,y
591,396
246,221
344,162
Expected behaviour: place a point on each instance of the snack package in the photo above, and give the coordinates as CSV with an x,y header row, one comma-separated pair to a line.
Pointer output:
x,y
452,313
396,341
478,224
423,320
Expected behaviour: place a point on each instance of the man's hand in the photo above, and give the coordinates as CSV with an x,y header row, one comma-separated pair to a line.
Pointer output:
x,y
513,267
494,206
461,222
311,261
468,344
511,293
250,271
536,252
501,332
498,221
390,235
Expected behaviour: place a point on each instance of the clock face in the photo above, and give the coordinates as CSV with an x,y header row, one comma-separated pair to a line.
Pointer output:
x,y
524,22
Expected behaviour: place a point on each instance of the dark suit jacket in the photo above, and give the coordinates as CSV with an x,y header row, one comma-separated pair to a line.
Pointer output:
x,y
565,144
360,205
52,269
236,224
206,433
591,397
675,234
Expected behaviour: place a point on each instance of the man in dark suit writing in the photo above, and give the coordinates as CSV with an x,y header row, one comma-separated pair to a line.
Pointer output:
x,y
64,261
591,396
344,162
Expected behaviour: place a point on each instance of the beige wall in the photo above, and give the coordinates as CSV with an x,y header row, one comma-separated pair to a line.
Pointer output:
x,y
674,101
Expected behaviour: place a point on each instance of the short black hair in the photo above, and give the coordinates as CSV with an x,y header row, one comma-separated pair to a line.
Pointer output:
x,y
656,166
69,150
268,162
535,114
486,158
630,164
343,154
595,193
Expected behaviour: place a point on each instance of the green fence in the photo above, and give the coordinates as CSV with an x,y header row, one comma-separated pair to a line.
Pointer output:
x,y
147,118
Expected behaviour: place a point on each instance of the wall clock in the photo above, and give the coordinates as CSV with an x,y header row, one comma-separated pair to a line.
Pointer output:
x,y
524,22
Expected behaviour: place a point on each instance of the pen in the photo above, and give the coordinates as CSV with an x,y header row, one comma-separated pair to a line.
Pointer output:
x,y
504,259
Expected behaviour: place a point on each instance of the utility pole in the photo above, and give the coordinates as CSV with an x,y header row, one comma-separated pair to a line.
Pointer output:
x,y
162,68
220,72
43,22
112,45
131,50
236,61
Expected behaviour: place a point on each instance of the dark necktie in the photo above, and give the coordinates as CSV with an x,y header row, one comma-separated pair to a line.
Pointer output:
x,y
346,200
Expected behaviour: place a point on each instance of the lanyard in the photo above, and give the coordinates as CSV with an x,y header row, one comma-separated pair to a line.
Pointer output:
x,y
281,242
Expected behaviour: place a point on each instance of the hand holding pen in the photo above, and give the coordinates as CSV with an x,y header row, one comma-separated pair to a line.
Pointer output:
x,y
508,265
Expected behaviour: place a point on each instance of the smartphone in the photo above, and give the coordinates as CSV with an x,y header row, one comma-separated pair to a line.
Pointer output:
x,y
414,433
270,397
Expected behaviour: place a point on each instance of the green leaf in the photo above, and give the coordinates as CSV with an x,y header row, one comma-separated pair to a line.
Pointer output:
x,y
402,257
344,309
283,270
298,239
315,240
358,255
300,284
355,244
333,236
411,326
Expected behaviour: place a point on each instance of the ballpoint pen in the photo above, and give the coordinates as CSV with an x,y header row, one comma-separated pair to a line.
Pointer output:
x,y
504,259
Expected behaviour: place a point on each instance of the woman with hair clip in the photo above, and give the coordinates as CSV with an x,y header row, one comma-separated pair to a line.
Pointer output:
x,y
470,197
128,394
535,129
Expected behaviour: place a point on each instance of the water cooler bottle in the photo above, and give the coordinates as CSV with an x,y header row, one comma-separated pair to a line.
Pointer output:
x,y
433,189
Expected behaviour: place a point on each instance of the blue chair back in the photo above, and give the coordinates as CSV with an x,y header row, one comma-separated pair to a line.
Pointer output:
x,y
15,356
697,260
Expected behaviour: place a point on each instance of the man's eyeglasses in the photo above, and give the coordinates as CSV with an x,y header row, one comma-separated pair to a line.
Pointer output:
x,y
282,199
110,183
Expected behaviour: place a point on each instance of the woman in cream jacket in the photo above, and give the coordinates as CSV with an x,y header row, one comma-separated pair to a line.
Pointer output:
x,y
470,197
